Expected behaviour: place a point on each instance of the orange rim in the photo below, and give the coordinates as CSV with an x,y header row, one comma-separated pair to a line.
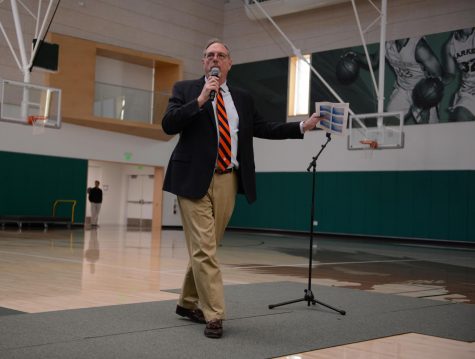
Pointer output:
x,y
33,119
372,143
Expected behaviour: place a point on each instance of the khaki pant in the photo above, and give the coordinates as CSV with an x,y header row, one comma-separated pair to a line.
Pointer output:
x,y
204,222
95,209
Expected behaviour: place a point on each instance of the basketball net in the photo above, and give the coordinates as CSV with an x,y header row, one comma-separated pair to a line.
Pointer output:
x,y
38,123
372,145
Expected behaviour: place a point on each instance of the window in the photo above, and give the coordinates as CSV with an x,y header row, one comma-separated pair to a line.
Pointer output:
x,y
299,86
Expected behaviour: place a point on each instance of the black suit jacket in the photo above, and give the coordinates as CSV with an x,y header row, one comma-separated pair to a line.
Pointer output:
x,y
193,160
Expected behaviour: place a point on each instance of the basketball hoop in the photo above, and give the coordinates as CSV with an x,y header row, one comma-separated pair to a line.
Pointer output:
x,y
371,143
38,123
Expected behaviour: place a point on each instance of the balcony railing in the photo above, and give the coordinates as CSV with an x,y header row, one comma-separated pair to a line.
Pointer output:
x,y
129,104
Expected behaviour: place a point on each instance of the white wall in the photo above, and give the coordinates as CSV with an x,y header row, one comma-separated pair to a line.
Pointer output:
x,y
443,146
335,26
87,143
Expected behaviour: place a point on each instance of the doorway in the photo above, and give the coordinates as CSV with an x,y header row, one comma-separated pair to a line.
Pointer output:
x,y
123,182
140,200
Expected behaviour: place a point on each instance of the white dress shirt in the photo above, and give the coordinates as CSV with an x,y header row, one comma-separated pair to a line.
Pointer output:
x,y
233,120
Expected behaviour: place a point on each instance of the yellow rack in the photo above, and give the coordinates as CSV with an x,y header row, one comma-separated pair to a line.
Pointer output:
x,y
58,201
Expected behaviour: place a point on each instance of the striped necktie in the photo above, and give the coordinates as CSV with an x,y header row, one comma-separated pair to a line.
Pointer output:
x,y
224,147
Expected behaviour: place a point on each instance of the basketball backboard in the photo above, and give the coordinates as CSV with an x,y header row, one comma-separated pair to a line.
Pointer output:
x,y
24,102
19,101
386,129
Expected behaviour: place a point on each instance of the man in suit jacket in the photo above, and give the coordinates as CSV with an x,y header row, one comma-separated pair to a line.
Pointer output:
x,y
206,193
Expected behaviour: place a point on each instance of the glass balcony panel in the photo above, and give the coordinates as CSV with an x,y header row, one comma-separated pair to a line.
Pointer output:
x,y
123,103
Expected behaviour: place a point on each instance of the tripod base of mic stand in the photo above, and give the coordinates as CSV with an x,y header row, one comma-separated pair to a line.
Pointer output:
x,y
309,298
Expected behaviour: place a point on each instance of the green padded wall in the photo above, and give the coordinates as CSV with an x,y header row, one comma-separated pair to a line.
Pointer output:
x,y
437,205
31,183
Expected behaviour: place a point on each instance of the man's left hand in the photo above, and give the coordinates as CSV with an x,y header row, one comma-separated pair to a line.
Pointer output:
x,y
311,122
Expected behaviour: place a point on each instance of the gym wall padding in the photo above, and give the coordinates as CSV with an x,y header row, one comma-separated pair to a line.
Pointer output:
x,y
31,183
432,205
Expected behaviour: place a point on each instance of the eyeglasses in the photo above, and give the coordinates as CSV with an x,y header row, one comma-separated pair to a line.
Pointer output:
x,y
220,55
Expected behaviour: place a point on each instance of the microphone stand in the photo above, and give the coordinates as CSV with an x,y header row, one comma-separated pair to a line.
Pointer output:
x,y
309,297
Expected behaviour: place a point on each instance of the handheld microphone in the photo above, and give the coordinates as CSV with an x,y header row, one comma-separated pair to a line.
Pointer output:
x,y
214,72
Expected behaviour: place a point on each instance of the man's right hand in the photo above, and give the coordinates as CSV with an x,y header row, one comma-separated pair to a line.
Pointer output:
x,y
211,84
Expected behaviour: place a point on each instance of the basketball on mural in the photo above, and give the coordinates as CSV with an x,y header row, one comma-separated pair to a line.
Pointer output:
x,y
347,69
427,93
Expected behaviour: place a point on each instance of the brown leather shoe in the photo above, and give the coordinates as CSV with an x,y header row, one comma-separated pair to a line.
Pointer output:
x,y
195,315
214,328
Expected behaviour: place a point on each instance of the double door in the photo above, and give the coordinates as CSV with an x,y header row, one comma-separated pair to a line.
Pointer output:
x,y
140,200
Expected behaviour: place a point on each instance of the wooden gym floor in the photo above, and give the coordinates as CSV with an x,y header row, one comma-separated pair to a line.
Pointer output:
x,y
65,269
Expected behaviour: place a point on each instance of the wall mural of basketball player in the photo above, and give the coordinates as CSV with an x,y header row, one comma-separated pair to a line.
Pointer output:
x,y
432,80
460,55
418,87
413,61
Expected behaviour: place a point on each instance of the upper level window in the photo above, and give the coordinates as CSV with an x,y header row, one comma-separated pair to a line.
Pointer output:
x,y
299,86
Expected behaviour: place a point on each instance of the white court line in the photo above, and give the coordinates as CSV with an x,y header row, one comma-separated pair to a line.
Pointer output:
x,y
169,271
176,271
325,264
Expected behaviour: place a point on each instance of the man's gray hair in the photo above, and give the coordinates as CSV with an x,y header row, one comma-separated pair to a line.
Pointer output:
x,y
215,41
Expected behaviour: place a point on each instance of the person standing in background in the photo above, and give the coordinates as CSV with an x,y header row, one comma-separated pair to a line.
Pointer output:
x,y
95,198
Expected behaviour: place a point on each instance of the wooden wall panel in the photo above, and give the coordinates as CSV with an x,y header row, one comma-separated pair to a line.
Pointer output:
x,y
76,78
